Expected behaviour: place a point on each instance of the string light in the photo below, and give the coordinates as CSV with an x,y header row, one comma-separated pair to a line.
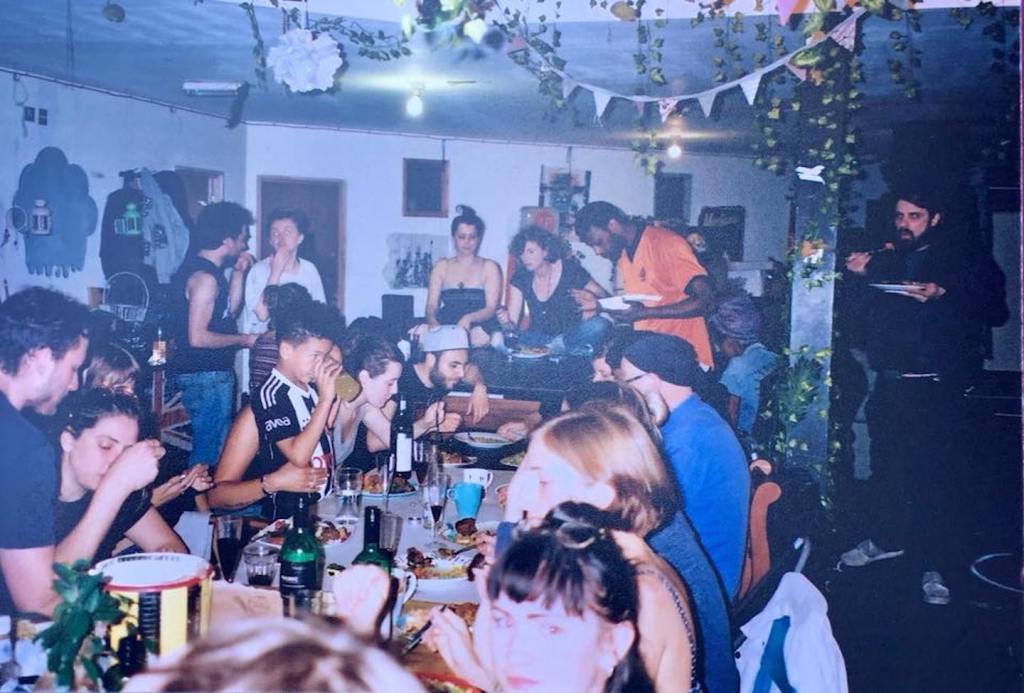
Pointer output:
x,y
414,104
674,151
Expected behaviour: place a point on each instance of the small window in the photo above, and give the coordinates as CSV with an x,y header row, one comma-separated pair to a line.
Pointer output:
x,y
424,188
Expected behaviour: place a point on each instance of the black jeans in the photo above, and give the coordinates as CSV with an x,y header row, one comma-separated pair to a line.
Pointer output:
x,y
919,485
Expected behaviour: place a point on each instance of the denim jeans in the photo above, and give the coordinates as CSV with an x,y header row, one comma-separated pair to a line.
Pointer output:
x,y
578,340
207,397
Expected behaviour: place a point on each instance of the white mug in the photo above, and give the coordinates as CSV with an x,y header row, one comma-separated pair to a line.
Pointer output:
x,y
478,476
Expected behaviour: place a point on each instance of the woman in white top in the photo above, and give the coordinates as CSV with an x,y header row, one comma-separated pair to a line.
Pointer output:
x,y
286,230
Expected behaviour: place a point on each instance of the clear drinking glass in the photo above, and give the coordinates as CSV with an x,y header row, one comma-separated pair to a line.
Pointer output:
x,y
435,496
260,564
348,487
391,532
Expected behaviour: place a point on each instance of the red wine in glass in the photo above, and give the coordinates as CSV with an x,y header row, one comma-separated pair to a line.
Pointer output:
x,y
437,511
228,552
261,580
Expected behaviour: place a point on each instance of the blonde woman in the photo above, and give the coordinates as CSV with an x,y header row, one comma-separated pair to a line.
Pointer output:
x,y
607,459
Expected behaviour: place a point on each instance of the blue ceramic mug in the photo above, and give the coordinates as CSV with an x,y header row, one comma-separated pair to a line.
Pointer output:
x,y
467,496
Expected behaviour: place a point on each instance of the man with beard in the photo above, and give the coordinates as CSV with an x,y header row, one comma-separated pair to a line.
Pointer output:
x,y
443,364
925,339
650,260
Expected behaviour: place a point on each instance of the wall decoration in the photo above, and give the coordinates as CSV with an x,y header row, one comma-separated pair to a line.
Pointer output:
x,y
566,191
424,188
64,189
543,217
411,258
724,229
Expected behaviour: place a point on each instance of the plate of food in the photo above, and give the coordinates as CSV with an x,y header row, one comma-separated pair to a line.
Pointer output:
x,y
467,531
444,683
415,617
482,440
537,352
373,487
514,460
327,532
450,458
429,567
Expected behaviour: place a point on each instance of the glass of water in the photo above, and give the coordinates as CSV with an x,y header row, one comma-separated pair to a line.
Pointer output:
x,y
348,487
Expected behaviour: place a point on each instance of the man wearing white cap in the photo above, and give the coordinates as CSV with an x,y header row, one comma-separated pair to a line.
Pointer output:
x,y
443,364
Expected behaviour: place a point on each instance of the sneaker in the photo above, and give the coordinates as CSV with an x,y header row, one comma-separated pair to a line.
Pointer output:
x,y
935,590
864,553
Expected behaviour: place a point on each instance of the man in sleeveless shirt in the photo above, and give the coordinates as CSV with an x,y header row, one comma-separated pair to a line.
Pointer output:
x,y
651,260
204,305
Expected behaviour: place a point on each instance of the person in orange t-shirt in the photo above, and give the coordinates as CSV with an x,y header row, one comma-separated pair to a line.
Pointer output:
x,y
651,260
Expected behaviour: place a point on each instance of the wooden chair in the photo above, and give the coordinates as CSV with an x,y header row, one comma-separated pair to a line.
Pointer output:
x,y
757,562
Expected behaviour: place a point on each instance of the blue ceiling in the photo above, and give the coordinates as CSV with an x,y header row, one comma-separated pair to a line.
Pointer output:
x,y
162,43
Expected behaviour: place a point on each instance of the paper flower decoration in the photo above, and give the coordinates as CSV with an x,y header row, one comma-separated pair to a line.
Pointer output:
x,y
303,63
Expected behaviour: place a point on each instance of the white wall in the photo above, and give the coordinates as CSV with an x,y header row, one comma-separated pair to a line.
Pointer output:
x,y
496,179
722,180
105,134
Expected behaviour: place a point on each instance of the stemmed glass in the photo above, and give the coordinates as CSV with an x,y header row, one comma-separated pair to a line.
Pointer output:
x,y
435,496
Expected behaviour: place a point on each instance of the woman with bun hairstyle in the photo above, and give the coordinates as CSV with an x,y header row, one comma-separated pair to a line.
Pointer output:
x,y
465,289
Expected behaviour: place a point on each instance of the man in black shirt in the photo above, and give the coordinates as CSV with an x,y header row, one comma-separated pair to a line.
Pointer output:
x,y
937,294
443,364
204,307
43,343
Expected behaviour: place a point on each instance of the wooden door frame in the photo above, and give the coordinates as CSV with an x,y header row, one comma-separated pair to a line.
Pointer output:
x,y
341,244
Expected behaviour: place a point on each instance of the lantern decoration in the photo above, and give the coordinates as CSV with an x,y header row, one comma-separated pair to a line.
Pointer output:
x,y
41,219
129,223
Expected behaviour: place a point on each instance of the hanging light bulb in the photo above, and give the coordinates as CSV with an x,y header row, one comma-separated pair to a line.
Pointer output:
x,y
414,105
674,151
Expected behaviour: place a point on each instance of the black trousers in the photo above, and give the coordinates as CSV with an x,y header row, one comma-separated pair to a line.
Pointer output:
x,y
921,492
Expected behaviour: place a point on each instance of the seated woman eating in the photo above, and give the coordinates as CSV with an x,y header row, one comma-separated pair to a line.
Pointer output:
x,y
544,282
605,459
99,439
465,289
559,612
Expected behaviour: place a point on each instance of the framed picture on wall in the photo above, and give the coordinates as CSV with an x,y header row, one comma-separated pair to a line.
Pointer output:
x,y
565,191
424,188
724,228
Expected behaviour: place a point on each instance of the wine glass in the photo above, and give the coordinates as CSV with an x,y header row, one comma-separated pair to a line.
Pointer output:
x,y
435,496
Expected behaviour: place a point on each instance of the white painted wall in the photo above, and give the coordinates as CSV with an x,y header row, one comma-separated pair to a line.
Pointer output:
x,y
495,178
105,134
722,180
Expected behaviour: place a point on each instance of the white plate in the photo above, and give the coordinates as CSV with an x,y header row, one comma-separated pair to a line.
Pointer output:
x,y
482,440
622,301
285,523
530,354
897,288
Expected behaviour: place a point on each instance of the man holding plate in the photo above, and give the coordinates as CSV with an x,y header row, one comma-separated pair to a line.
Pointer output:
x,y
939,292
651,261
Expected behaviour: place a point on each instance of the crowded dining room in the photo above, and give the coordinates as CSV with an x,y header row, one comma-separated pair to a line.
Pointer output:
x,y
424,345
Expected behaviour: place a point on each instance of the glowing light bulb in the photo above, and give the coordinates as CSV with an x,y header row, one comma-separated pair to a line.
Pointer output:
x,y
414,105
674,151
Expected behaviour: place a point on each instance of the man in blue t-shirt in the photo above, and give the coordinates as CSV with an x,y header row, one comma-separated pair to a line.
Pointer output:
x,y
706,459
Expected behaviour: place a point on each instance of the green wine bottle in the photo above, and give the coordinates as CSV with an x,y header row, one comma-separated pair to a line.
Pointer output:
x,y
301,557
372,554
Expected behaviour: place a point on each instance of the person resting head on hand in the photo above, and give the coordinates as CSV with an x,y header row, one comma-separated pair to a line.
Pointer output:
x,y
559,612
100,447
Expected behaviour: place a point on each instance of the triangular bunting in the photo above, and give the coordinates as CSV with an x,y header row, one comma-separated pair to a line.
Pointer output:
x,y
601,99
641,106
787,8
800,72
666,107
568,87
845,33
749,86
707,102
